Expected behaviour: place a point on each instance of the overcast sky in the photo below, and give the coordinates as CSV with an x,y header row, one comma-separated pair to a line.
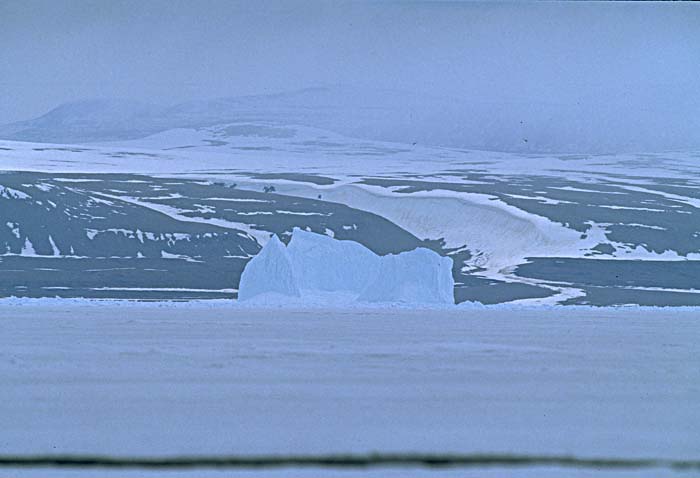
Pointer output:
x,y
166,51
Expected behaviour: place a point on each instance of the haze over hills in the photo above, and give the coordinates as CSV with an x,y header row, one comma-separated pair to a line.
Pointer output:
x,y
612,122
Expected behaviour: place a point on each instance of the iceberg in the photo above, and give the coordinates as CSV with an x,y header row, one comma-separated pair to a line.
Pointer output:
x,y
326,264
270,271
315,264
417,276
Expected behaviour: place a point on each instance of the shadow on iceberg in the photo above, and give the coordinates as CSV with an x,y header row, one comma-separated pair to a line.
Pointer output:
x,y
314,264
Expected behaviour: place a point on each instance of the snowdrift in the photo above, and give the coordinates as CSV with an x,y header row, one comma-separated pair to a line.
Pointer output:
x,y
315,263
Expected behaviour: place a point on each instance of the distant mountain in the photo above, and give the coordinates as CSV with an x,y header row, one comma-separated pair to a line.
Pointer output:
x,y
90,120
609,122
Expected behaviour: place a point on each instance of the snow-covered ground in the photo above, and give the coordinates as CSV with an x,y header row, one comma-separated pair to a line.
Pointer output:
x,y
132,380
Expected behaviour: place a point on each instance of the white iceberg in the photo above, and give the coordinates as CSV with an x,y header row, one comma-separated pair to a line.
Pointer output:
x,y
316,264
322,263
270,271
417,276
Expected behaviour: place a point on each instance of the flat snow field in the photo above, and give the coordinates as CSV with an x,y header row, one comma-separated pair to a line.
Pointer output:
x,y
173,380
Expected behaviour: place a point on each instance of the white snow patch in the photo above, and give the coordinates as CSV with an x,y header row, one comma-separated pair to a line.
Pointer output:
x,y
101,201
163,289
540,199
77,180
674,197
167,255
9,193
260,236
582,190
28,249
244,200
646,226
44,187
629,208
54,248
301,213
14,228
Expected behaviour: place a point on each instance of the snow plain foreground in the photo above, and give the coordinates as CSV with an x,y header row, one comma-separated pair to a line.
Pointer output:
x,y
168,381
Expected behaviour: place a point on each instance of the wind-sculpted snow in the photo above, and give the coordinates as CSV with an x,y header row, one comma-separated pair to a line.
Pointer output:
x,y
316,263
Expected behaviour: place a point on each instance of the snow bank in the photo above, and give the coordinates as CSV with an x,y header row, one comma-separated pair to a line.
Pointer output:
x,y
315,263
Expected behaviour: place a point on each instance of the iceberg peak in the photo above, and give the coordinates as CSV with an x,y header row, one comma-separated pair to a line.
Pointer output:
x,y
270,271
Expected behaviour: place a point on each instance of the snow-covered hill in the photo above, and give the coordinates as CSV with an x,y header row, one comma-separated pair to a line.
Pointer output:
x,y
610,122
